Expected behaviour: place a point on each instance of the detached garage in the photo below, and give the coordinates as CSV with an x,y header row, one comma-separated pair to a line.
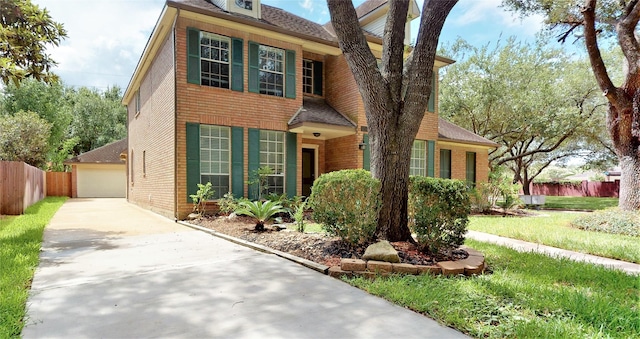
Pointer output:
x,y
100,173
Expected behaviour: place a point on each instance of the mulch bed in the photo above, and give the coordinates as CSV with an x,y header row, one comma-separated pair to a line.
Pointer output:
x,y
319,248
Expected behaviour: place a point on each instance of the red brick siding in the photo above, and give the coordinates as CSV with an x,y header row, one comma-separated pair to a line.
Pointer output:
x,y
459,162
152,133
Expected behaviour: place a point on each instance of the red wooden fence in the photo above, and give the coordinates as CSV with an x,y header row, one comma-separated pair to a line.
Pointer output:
x,y
584,189
59,184
21,186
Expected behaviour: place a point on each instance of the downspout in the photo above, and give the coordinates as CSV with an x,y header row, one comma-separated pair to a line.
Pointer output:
x,y
175,118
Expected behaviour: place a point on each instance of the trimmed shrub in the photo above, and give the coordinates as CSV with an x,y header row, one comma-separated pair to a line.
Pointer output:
x,y
438,213
611,220
346,203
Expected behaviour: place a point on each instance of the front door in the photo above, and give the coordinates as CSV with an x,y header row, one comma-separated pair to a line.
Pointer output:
x,y
308,170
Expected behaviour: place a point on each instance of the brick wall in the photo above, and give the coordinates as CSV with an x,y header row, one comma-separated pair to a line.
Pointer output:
x,y
151,137
459,161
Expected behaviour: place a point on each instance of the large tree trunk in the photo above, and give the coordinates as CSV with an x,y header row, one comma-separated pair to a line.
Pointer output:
x,y
629,183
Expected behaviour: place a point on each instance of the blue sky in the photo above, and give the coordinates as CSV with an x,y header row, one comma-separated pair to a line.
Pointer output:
x,y
107,37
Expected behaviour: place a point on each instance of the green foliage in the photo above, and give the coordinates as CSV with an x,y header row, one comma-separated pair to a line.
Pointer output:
x,y
346,203
63,153
259,180
298,215
229,204
204,193
26,32
611,220
580,203
260,211
20,240
23,137
438,212
98,117
528,295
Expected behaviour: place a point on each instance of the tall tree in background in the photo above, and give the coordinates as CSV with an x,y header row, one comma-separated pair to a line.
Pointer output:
x,y
595,20
395,96
536,102
98,118
23,137
25,32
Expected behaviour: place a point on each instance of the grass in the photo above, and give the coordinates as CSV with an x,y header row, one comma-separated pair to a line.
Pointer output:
x,y
552,229
580,203
20,240
528,295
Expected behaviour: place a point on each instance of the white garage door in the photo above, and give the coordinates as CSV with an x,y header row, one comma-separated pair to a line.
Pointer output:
x,y
102,181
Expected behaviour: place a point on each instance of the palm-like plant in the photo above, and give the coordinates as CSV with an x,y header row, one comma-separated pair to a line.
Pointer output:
x,y
260,211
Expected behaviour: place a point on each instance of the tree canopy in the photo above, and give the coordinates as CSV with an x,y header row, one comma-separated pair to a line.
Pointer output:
x,y
538,103
613,21
23,137
25,32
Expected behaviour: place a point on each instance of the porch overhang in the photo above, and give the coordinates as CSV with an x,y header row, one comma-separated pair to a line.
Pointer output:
x,y
320,131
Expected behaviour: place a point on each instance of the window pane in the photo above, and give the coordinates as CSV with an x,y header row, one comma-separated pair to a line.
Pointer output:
x,y
214,56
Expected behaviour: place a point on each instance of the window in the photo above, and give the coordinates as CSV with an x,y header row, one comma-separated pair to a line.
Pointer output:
x,y
307,76
445,163
271,74
137,101
214,158
245,4
418,164
144,164
471,168
214,60
272,155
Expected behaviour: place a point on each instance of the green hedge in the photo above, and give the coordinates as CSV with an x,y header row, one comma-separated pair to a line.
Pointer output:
x,y
438,212
346,203
612,220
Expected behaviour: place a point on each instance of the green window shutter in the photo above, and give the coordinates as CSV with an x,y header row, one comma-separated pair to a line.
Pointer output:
x,y
317,77
254,160
193,56
237,67
366,155
431,151
291,164
237,161
253,67
290,78
432,96
193,159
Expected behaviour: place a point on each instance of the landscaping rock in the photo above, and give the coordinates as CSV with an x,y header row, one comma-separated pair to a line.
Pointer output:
x,y
193,216
379,267
451,267
337,272
381,251
429,269
353,264
404,268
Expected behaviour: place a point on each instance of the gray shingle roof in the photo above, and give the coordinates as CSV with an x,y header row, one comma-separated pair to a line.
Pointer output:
x,y
450,132
107,154
317,110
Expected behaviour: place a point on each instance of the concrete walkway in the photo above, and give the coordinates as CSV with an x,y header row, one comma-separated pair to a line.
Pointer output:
x,y
523,246
109,269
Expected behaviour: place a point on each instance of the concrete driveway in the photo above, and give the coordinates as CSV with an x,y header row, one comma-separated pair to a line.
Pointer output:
x,y
110,269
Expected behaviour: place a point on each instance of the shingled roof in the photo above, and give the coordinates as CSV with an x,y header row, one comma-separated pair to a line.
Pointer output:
x,y
450,132
107,154
317,110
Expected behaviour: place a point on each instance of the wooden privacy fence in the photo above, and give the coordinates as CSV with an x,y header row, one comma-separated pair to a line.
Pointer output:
x,y
59,184
583,189
21,186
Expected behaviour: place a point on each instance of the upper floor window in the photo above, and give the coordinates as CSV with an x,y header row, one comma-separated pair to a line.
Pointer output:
x,y
312,77
245,4
271,65
137,101
214,60
418,164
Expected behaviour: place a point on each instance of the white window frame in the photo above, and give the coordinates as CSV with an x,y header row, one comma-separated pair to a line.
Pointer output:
x,y
418,165
278,89
212,159
273,154
210,76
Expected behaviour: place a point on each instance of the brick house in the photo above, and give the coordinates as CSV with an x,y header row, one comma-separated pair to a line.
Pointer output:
x,y
226,86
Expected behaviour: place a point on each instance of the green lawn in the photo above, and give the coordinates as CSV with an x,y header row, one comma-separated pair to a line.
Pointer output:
x,y
20,240
528,295
580,203
552,229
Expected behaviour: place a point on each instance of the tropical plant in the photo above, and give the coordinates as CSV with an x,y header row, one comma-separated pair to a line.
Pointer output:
x,y
204,193
298,215
259,180
260,211
229,204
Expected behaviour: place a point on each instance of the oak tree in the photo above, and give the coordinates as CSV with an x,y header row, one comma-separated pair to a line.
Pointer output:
x,y
395,96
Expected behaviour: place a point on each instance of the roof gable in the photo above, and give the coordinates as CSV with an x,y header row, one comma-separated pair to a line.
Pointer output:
x,y
454,133
107,154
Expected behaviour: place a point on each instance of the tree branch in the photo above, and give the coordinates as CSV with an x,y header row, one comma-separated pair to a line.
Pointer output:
x,y
626,35
391,66
591,43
